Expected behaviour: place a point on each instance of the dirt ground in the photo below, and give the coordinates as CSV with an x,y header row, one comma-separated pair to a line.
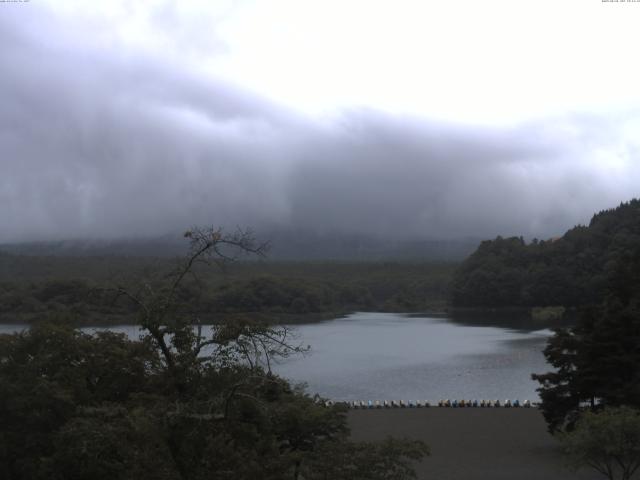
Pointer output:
x,y
473,443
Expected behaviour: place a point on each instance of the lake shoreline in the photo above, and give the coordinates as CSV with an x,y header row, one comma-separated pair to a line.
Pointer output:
x,y
267,318
378,356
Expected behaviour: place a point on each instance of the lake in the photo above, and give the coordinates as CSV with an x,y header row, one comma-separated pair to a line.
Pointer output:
x,y
385,356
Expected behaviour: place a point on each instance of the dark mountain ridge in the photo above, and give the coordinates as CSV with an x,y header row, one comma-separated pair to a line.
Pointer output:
x,y
285,244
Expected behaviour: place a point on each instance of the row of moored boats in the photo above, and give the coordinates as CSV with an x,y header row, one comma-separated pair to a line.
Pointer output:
x,y
361,404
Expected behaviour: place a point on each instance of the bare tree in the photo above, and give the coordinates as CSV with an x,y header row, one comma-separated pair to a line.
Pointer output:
x,y
177,332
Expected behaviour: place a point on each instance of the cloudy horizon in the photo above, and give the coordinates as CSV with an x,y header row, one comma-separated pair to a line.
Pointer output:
x,y
399,119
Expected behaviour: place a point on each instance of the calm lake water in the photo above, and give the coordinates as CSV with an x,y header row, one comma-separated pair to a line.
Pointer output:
x,y
385,356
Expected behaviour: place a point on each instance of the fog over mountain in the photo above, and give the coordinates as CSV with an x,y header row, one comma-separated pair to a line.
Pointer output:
x,y
102,136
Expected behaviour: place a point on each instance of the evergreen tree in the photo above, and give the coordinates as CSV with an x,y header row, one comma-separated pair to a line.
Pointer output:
x,y
571,270
597,362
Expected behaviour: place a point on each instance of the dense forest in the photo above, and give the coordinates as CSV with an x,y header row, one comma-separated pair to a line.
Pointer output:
x,y
174,404
596,270
34,287
596,362
573,270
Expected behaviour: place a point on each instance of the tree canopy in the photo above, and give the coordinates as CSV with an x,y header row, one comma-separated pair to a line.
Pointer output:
x,y
608,442
176,404
273,291
571,270
597,362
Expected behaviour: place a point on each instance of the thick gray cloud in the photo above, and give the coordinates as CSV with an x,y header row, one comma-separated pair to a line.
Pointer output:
x,y
415,178
97,141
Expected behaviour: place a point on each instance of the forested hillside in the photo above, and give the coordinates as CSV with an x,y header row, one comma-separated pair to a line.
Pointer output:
x,y
32,288
571,271
174,404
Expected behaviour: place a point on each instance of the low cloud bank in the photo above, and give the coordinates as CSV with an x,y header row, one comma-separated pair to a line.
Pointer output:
x,y
98,142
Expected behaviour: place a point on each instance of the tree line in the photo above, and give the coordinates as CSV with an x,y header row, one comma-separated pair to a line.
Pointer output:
x,y
175,404
571,271
591,398
276,291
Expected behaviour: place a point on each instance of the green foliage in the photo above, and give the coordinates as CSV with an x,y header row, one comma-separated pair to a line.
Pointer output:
x,y
547,314
46,374
569,271
597,361
276,291
607,441
175,405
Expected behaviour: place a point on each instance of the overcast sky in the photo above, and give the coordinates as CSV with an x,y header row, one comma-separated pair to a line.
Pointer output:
x,y
392,118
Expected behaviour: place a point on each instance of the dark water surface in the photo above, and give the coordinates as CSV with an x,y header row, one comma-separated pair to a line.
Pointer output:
x,y
369,356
